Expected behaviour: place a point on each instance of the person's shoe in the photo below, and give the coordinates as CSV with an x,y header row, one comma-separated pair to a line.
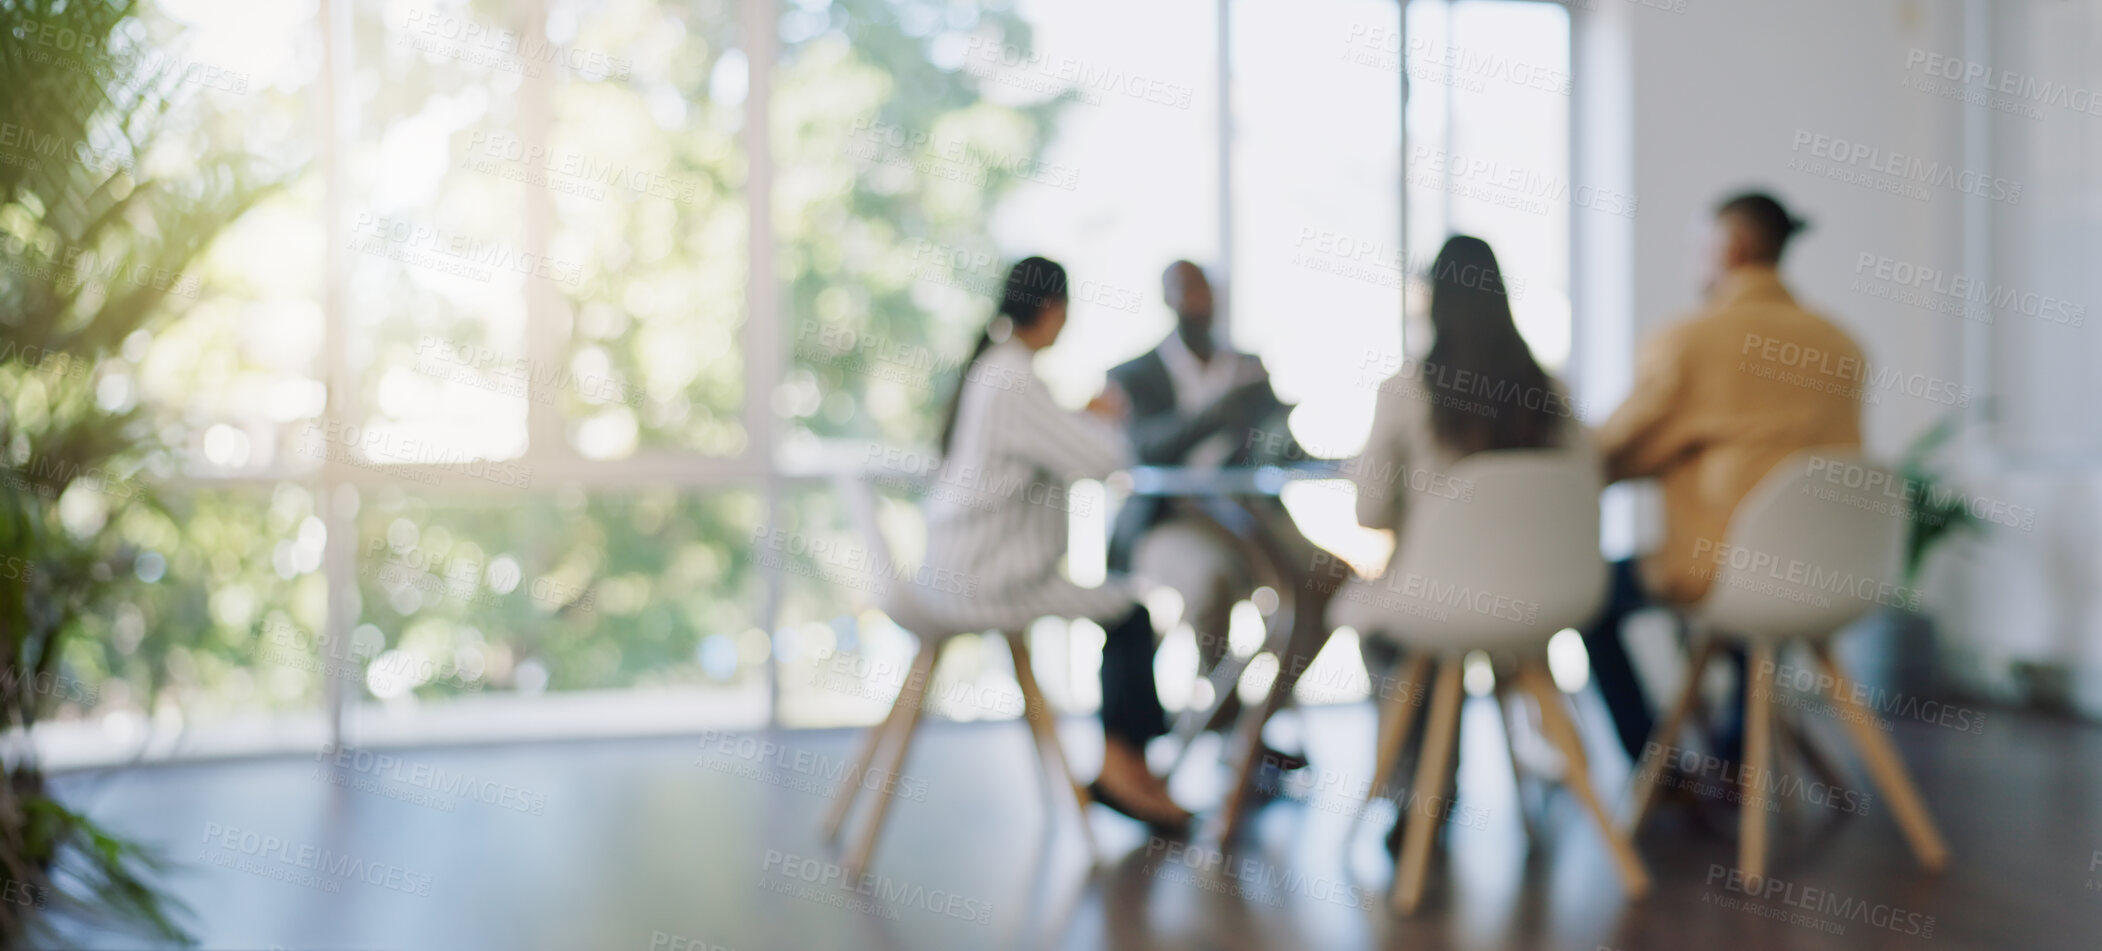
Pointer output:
x,y
1169,820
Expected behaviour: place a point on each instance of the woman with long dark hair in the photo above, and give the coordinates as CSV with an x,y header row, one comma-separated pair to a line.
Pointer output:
x,y
998,520
1477,389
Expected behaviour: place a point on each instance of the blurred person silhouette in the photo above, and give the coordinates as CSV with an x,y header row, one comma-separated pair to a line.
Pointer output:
x,y
1719,398
1196,402
1477,389
1003,432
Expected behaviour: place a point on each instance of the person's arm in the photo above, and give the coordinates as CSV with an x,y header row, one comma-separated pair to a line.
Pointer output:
x,y
1379,504
1636,442
1164,437
1058,440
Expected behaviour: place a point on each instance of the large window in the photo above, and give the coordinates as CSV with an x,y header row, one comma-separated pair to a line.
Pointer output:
x,y
1488,149
549,380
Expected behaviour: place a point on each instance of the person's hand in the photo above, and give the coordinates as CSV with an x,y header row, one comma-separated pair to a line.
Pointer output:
x,y
1109,404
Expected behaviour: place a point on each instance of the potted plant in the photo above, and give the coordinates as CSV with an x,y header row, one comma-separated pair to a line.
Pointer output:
x,y
87,240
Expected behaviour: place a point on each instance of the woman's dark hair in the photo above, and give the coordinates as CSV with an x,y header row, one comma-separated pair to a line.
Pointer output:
x,y
1032,285
1500,397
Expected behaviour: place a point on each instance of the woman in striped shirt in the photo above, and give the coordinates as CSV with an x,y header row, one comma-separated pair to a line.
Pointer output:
x,y
1009,453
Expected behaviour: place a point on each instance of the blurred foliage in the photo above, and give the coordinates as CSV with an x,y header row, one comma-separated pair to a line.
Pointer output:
x,y
883,150
1940,510
106,197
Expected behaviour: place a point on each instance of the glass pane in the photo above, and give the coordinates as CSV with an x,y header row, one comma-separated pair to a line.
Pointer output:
x,y
237,379
924,147
1318,263
1488,126
645,166
222,576
473,599
439,268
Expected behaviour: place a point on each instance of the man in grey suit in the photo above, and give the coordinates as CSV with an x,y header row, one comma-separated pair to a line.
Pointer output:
x,y
1193,402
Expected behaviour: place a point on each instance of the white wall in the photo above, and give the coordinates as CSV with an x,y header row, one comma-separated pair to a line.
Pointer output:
x,y
1719,95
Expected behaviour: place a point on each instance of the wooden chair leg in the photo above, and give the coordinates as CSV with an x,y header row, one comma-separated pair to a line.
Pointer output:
x,y
1758,763
1043,724
1562,731
1642,787
1417,809
1887,769
913,697
872,739
1397,715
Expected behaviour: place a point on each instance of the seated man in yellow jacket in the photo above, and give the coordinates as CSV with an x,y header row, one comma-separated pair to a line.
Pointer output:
x,y
1719,398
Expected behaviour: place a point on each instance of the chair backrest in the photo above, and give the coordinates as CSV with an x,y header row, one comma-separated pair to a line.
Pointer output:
x,y
1507,557
1814,547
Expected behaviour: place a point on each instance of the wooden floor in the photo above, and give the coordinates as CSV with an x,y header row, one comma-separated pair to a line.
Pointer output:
x,y
694,845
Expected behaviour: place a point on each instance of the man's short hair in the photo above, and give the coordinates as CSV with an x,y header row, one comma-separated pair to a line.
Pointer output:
x,y
1766,223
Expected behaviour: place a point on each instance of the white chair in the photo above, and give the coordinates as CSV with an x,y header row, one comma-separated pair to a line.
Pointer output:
x,y
1805,557
933,629
1501,570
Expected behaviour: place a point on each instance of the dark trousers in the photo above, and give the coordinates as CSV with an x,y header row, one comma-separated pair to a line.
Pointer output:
x,y
1131,709
1615,674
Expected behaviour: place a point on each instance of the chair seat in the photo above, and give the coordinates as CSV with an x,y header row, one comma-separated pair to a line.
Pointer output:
x,y
1429,615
